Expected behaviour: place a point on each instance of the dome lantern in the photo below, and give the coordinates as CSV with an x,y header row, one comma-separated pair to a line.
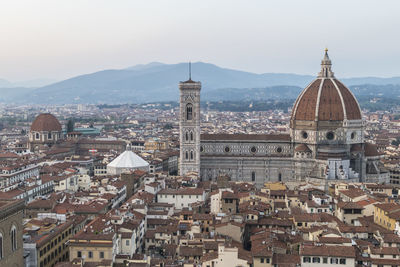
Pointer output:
x,y
326,64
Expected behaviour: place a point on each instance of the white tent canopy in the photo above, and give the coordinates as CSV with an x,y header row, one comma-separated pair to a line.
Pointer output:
x,y
127,161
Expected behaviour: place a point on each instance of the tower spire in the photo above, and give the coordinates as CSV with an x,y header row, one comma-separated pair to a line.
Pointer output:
x,y
326,64
190,70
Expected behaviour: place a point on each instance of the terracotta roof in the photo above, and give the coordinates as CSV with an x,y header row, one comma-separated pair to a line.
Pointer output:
x,y
307,217
394,215
190,251
353,192
385,251
333,240
201,216
46,122
8,155
349,205
41,204
304,107
330,251
366,202
229,195
385,262
261,249
211,245
287,260
371,150
388,207
333,100
390,238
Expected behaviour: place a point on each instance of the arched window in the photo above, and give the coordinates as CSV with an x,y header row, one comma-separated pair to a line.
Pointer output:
x,y
253,176
189,112
187,136
49,136
280,177
191,154
13,235
186,155
191,136
37,136
1,245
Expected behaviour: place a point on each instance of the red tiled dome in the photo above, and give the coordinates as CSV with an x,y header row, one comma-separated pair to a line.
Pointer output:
x,y
46,122
326,99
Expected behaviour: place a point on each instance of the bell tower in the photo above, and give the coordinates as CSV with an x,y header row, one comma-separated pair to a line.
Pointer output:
x,y
189,126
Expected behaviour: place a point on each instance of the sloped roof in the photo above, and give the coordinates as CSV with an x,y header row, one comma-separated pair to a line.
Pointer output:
x,y
128,159
302,148
371,150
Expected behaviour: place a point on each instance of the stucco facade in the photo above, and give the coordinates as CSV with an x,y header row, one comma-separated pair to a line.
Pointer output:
x,y
11,212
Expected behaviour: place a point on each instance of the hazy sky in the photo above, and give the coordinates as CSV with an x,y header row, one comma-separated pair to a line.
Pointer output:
x,y
59,39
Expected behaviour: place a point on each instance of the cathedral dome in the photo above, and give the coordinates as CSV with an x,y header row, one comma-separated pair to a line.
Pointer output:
x,y
46,122
326,99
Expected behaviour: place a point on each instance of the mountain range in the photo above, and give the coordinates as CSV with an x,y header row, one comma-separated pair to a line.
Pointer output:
x,y
29,84
159,82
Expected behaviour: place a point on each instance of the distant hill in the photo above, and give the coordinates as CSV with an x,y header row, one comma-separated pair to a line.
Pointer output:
x,y
279,92
15,94
30,83
367,91
159,82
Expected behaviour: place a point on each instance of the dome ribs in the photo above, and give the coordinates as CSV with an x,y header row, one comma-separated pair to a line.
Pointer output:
x,y
334,102
308,102
352,109
330,107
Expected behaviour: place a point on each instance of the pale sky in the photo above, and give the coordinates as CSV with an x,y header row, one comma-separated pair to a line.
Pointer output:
x,y
58,39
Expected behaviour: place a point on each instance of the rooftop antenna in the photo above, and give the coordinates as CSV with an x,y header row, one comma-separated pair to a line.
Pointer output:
x,y
190,70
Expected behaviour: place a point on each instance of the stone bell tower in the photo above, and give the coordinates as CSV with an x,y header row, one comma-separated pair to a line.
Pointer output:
x,y
189,126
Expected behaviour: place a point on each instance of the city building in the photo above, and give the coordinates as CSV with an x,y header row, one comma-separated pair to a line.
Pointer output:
x,y
181,198
93,247
11,243
46,243
45,131
325,144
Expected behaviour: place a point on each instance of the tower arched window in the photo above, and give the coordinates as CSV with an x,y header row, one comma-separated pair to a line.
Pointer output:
x,y
280,177
191,154
191,136
1,245
253,176
13,235
187,155
189,112
187,136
